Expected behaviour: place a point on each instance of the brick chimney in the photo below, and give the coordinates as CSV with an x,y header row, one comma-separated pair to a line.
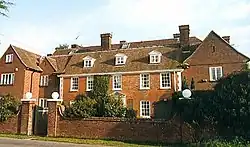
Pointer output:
x,y
106,41
184,35
226,38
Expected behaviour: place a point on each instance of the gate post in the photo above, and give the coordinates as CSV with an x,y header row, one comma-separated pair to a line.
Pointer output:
x,y
53,115
27,110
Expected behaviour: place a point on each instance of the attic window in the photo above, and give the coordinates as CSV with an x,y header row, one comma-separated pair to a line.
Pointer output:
x,y
213,48
155,57
120,59
125,45
88,61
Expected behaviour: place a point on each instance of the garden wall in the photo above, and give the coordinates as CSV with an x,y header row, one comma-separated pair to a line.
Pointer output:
x,y
123,129
12,125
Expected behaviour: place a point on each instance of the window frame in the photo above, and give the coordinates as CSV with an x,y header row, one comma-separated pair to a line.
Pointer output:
x,y
168,74
43,103
142,82
141,109
9,58
44,80
113,82
87,83
155,59
71,83
87,63
216,73
7,79
120,60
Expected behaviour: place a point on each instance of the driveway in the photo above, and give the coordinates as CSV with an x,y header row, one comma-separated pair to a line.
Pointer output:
x,y
7,142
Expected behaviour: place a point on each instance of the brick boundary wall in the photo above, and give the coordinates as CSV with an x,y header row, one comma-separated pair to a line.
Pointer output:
x,y
11,125
116,128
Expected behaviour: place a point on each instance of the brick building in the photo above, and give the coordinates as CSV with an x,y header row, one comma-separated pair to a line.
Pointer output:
x,y
141,72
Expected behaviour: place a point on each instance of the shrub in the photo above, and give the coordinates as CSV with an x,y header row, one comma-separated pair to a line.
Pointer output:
x,y
8,107
83,107
130,113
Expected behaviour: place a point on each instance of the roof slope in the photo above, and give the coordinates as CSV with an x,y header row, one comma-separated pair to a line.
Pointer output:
x,y
60,62
52,62
139,44
138,60
29,59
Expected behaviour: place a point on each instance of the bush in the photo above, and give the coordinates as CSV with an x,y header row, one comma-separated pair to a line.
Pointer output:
x,y
8,107
83,107
130,113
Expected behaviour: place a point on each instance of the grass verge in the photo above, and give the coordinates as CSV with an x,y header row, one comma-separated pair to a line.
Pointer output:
x,y
86,141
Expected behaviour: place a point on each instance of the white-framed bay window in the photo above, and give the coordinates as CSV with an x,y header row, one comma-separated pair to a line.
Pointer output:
x,y
74,83
117,82
215,73
89,83
145,109
7,79
144,81
165,80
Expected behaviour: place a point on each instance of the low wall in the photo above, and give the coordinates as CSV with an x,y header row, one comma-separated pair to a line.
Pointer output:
x,y
123,129
10,126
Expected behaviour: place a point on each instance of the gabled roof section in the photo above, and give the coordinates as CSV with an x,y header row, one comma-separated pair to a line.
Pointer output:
x,y
88,58
52,63
120,55
61,62
28,59
215,34
154,53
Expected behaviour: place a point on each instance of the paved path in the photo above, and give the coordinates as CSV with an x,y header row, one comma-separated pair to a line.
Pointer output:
x,y
7,142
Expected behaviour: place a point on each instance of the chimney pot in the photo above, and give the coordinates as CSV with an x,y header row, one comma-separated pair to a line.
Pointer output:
x,y
184,35
177,35
74,46
123,41
106,40
226,38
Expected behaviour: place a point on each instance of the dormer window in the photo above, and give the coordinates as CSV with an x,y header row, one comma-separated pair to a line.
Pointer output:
x,y
120,59
88,61
155,57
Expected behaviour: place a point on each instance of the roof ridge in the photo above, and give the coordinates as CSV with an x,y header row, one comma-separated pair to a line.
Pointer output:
x,y
25,50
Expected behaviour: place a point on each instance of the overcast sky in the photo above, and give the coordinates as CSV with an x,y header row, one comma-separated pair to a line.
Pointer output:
x,y
40,25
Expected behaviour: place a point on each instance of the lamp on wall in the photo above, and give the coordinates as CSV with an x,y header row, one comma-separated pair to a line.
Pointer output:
x,y
55,95
186,94
28,95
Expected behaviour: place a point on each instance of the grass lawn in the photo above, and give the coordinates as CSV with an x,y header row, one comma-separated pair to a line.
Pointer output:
x,y
84,141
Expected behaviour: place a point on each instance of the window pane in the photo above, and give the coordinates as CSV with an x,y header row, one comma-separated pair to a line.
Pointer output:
x,y
145,108
219,73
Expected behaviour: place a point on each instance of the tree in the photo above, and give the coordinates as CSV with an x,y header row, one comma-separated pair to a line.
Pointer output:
x,y
62,46
230,106
83,107
8,107
4,7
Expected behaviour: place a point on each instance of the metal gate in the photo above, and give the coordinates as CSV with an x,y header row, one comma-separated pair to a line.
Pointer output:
x,y
40,120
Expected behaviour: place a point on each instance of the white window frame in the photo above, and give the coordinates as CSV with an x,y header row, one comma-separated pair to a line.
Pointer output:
x,y
216,74
155,59
44,80
43,103
120,59
167,82
142,109
7,79
9,58
87,63
117,81
142,86
72,88
89,83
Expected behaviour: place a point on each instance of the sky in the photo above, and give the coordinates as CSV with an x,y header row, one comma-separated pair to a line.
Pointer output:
x,y
41,25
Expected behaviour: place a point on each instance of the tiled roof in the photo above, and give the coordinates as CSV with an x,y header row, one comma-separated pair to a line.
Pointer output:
x,y
61,62
29,59
52,62
138,60
139,44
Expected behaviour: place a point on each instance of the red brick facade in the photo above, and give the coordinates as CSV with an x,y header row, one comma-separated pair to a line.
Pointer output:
x,y
212,52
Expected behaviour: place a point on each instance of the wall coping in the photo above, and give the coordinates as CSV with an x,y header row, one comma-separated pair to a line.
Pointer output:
x,y
54,100
28,100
